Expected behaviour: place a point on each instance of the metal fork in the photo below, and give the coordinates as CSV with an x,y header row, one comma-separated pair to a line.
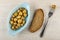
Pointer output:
x,y
49,15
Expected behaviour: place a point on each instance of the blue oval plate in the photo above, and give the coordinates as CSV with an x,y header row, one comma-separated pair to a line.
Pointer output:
x,y
26,6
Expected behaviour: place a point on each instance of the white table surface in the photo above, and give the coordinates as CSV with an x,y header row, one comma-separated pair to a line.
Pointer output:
x,y
53,28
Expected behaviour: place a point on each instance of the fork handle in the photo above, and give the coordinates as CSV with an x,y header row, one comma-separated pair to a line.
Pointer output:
x,y
44,26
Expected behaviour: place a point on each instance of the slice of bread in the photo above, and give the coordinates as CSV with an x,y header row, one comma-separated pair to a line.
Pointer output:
x,y
37,20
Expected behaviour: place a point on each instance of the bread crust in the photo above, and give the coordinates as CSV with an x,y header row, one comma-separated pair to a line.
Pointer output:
x,y
37,20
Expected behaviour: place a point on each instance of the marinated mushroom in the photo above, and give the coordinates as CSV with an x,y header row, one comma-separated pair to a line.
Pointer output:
x,y
18,19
